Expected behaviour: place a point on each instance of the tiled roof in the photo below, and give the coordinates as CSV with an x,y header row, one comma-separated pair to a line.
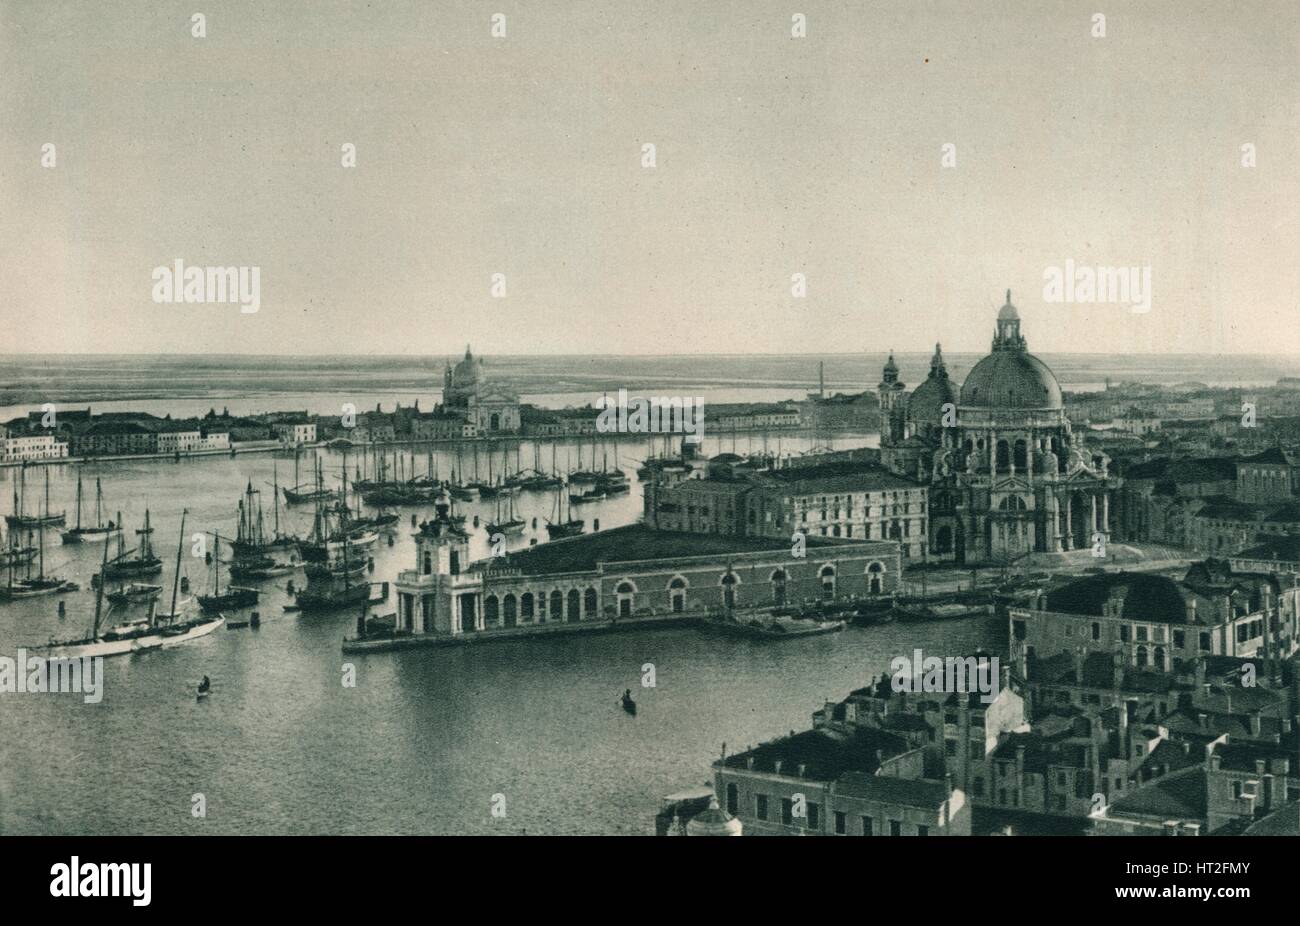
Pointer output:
x,y
825,756
834,477
1146,597
907,792
638,542
1179,795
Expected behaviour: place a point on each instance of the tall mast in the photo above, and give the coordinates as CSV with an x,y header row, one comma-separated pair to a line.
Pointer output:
x,y
180,545
275,487
78,500
99,594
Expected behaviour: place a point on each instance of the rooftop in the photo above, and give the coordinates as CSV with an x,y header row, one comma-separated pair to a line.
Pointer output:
x,y
848,476
908,792
639,542
825,756
1179,795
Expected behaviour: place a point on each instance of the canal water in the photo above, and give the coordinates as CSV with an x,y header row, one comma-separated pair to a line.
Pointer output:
x,y
428,741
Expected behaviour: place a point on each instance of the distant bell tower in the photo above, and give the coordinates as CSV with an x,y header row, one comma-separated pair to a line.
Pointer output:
x,y
890,391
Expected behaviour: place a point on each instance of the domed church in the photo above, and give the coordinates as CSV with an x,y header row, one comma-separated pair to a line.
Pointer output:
x,y
469,393
1007,475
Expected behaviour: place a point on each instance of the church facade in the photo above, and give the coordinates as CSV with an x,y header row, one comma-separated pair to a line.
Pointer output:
x,y
468,393
1007,475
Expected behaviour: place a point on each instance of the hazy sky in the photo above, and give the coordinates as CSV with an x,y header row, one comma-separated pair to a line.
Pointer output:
x,y
479,155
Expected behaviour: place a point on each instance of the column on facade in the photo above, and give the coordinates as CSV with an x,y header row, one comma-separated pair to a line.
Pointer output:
x,y
478,612
1054,532
1069,522
993,452
1092,518
1105,512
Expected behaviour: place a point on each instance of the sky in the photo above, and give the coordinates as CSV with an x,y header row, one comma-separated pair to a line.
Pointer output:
x,y
522,155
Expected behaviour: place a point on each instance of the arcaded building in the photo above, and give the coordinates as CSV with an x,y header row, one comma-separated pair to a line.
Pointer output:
x,y
1006,473
628,572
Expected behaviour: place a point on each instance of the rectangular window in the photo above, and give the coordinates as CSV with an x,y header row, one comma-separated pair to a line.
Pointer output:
x,y
760,806
841,823
787,811
868,827
922,830
895,828
814,816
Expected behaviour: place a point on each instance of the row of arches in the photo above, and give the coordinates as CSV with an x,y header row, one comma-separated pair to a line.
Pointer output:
x,y
509,610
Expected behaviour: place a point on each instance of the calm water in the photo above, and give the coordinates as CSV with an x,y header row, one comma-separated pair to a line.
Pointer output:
x,y
425,739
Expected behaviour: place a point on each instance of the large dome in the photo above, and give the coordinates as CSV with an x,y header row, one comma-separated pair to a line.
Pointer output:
x,y
1011,379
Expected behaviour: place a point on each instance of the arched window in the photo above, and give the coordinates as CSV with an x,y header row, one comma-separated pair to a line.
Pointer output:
x,y
589,602
575,605
827,576
490,610
626,593
557,605
876,578
1158,655
677,595
778,588
729,582
1141,657
508,616
526,606
428,562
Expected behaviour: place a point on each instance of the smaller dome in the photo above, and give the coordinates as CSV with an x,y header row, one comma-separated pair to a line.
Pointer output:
x,y
714,822
926,404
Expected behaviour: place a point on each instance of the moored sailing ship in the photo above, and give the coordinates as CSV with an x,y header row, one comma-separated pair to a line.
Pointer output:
x,y
97,531
23,520
157,631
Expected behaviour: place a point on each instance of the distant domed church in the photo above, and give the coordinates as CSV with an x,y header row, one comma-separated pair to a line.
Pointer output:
x,y
467,391
1007,476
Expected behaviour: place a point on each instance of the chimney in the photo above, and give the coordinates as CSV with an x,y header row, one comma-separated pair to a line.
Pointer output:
x,y
1191,610
1203,720
1117,670
803,769
1269,785
776,766
749,762
1254,724
1079,655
